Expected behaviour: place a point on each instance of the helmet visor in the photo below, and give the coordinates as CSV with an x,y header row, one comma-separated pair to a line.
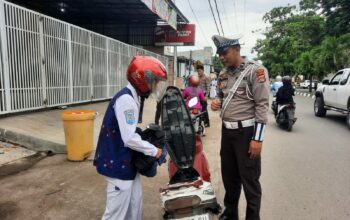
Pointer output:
x,y
158,89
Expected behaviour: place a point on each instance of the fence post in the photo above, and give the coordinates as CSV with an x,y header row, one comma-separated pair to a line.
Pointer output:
x,y
107,63
43,60
119,70
90,69
70,63
4,55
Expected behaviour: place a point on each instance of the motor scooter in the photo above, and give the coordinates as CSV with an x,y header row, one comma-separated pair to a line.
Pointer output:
x,y
285,117
189,195
274,106
197,116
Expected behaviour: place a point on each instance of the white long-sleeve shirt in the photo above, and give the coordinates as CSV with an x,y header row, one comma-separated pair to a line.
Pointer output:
x,y
126,109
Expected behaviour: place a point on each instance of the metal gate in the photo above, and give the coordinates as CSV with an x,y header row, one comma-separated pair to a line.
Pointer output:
x,y
45,62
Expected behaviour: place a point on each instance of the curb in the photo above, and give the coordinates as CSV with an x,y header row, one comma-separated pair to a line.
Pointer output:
x,y
305,94
32,143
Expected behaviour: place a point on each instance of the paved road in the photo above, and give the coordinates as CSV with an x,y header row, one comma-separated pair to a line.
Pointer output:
x,y
305,175
306,172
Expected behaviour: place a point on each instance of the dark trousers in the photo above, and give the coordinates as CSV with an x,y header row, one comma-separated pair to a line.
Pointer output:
x,y
238,169
158,112
205,115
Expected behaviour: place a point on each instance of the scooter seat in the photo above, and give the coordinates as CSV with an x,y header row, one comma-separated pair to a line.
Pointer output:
x,y
178,128
200,163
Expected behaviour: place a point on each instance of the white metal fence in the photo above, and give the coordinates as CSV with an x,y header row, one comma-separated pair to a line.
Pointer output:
x,y
45,62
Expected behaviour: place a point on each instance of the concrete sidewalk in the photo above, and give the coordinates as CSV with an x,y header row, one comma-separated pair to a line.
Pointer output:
x,y
43,130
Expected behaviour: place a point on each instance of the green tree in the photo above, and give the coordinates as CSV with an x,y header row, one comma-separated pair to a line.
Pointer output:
x,y
344,47
336,13
290,35
304,64
217,64
313,41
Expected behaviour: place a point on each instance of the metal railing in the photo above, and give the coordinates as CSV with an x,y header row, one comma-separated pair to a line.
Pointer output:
x,y
45,62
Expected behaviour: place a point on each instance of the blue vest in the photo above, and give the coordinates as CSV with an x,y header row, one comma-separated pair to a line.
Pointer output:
x,y
112,158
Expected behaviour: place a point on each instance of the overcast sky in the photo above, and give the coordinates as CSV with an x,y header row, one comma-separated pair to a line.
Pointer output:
x,y
238,17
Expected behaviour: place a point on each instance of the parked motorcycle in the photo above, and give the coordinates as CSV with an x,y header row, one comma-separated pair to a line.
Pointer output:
x,y
274,105
285,117
197,116
189,193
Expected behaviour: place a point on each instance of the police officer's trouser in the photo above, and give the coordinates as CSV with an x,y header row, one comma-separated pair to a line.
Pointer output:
x,y
238,169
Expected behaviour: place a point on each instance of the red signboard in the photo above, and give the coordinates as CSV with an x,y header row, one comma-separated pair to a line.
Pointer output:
x,y
183,36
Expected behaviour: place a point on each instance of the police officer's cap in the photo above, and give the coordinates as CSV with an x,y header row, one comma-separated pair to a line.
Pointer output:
x,y
223,43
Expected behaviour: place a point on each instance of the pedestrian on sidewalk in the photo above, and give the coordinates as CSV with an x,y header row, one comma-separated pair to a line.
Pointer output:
x,y
205,85
243,97
213,85
118,139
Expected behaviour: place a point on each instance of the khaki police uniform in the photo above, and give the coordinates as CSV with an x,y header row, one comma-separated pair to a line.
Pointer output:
x,y
244,119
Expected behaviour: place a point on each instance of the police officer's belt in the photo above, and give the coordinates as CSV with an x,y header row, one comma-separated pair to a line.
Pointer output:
x,y
235,124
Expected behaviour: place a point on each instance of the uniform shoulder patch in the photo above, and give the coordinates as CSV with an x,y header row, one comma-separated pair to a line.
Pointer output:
x,y
222,80
130,117
260,75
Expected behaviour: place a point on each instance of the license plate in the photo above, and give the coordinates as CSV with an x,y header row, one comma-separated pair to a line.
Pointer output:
x,y
197,217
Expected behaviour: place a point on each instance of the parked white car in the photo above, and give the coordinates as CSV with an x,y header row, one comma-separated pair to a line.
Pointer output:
x,y
334,95
306,84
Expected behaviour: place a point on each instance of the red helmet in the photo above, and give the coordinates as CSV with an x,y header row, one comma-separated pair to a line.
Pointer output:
x,y
194,80
144,70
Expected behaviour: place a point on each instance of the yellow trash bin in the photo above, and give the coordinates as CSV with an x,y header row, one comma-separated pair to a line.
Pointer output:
x,y
79,133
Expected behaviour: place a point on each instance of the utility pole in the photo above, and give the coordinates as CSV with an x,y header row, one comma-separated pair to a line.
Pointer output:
x,y
190,66
175,65
175,61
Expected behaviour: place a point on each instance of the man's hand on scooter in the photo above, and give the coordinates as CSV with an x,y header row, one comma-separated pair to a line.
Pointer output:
x,y
159,153
215,104
162,157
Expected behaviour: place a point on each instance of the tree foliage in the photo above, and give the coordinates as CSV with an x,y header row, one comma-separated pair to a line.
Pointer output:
x,y
313,40
336,13
217,64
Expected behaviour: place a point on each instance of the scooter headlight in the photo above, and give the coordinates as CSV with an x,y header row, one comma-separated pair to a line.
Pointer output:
x,y
182,202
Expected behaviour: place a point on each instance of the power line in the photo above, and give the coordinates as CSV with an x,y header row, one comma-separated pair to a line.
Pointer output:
x,y
217,10
244,16
235,12
194,14
230,27
212,12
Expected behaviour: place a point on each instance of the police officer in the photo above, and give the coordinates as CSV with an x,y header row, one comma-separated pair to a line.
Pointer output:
x,y
243,97
118,139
